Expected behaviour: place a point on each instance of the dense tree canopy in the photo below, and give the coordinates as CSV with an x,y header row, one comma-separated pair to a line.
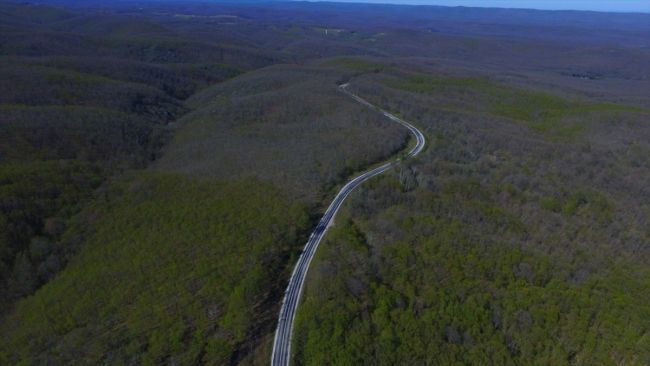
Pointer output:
x,y
162,165
502,244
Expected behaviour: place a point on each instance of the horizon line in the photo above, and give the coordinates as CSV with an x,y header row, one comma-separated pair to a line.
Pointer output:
x,y
475,6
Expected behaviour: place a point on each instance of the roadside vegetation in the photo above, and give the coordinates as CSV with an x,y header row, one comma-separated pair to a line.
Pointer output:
x,y
79,129
502,244
162,165
174,269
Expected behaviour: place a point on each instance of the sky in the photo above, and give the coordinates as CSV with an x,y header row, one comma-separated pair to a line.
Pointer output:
x,y
596,5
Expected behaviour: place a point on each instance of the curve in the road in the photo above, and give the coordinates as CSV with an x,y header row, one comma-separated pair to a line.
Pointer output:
x,y
282,343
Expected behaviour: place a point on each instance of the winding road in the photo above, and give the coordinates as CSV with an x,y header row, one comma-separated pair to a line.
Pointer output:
x,y
282,344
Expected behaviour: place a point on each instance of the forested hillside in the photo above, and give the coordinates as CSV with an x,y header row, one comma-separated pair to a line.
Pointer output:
x,y
177,268
162,165
83,97
285,124
521,236
74,128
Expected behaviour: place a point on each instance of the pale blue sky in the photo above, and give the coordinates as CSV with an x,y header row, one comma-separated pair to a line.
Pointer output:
x,y
597,5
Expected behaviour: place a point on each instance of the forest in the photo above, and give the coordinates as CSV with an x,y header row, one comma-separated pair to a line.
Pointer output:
x,y
163,163
492,248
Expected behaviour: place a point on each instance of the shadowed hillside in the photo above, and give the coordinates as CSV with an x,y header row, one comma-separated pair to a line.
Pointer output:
x,y
91,94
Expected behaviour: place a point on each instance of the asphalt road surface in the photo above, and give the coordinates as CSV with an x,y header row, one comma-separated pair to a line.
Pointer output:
x,y
282,344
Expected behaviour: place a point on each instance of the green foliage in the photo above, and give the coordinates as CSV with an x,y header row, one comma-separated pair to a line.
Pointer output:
x,y
357,64
609,107
85,96
476,265
458,258
590,204
297,130
422,83
174,266
36,199
445,300
543,112
551,204
98,135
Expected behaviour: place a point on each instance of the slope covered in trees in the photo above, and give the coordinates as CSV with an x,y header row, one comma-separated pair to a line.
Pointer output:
x,y
162,164
85,96
288,125
73,128
178,269
521,235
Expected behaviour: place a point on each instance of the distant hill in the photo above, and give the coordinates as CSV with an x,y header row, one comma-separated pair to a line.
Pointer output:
x,y
579,26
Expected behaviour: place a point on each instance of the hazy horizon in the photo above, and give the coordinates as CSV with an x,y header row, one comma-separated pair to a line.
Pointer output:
x,y
622,6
